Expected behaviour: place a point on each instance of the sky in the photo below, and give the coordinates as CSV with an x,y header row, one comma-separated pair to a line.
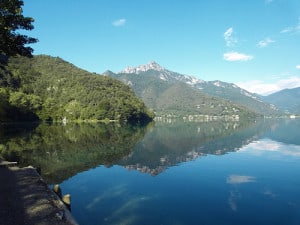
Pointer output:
x,y
252,43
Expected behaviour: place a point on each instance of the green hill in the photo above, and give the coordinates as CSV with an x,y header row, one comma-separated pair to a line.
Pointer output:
x,y
151,82
49,88
173,96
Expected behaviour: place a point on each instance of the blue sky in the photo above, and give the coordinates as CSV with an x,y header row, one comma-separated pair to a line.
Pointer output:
x,y
255,43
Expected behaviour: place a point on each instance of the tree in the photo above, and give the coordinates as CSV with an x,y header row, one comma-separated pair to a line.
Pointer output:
x,y
4,105
13,43
25,102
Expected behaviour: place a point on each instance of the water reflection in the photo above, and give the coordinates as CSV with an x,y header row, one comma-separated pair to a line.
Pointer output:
x,y
285,131
170,144
266,145
244,173
239,179
248,168
63,151
235,195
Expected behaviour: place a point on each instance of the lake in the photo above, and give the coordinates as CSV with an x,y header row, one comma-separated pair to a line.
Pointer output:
x,y
218,172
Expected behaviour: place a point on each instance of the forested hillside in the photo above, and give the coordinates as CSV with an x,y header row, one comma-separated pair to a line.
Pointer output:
x,y
152,81
48,88
172,96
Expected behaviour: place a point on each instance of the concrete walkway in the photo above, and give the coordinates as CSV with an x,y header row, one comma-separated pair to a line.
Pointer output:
x,y
25,199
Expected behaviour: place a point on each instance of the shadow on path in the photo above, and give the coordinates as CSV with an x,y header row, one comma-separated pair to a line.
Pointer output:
x,y
11,205
26,199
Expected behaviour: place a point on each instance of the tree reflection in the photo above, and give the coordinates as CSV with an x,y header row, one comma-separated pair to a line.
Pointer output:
x,y
62,151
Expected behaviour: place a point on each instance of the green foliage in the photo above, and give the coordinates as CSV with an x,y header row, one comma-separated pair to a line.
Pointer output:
x,y
11,20
53,89
4,105
147,86
26,102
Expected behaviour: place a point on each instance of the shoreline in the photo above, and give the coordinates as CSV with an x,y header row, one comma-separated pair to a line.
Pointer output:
x,y
26,198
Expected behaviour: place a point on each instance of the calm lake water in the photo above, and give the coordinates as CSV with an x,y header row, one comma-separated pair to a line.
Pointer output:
x,y
168,173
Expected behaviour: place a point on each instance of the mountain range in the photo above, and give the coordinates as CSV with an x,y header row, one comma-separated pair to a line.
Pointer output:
x,y
287,100
170,92
49,88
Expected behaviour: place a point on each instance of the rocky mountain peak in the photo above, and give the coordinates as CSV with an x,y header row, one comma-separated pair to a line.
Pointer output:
x,y
107,73
152,65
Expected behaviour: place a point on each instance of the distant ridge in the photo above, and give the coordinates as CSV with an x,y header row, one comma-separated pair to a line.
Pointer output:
x,y
152,83
287,100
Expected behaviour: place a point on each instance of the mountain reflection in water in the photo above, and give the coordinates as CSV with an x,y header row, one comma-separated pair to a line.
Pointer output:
x,y
63,151
158,174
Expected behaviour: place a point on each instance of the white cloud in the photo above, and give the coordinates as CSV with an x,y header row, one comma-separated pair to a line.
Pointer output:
x,y
265,42
298,67
236,56
257,86
262,88
229,38
294,29
287,30
119,22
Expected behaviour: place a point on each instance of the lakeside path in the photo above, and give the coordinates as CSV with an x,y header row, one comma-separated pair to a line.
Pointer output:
x,y
25,199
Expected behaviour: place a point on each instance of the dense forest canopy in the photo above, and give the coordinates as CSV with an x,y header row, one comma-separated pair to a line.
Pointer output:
x,y
48,88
